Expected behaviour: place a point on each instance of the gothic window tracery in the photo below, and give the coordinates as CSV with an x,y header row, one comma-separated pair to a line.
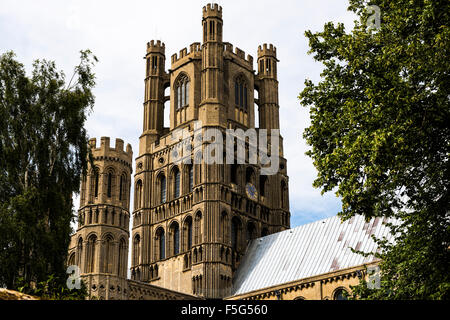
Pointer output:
x,y
175,233
138,194
176,182
241,93
162,188
182,92
161,241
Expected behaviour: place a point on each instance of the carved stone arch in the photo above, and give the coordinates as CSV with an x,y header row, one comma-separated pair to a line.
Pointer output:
x,y
109,168
241,76
136,249
108,234
94,183
139,194
175,181
123,186
188,177
160,243
107,252
90,234
198,232
122,257
195,255
91,252
161,186
181,76
188,224
174,237
71,259
241,89
340,293
181,88
109,177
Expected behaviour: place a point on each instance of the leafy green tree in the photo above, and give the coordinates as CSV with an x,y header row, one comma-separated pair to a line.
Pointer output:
x,y
43,147
380,135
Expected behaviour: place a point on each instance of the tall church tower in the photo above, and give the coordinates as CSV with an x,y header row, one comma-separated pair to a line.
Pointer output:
x,y
192,219
100,245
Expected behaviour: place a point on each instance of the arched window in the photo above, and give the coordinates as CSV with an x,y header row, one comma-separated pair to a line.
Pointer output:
x,y
176,182
162,188
122,187
92,242
340,294
161,243
175,230
109,254
121,266
109,185
191,178
198,227
79,252
188,233
136,249
182,92
94,182
240,93
71,260
138,194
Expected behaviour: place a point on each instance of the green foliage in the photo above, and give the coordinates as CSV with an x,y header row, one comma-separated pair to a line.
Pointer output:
x,y
380,135
53,288
43,147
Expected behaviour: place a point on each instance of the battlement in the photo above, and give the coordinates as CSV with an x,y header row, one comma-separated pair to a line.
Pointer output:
x,y
158,47
266,50
193,49
237,53
105,150
212,10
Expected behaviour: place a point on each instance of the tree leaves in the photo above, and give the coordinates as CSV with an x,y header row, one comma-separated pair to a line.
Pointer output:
x,y
43,147
379,132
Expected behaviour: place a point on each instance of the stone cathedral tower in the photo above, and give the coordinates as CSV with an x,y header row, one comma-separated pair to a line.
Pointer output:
x,y
100,245
192,221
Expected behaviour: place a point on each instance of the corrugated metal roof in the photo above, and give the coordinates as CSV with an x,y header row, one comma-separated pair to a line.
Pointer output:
x,y
312,249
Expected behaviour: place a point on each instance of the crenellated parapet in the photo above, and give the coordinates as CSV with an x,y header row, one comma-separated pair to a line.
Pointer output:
x,y
212,10
267,50
156,47
238,55
195,52
106,152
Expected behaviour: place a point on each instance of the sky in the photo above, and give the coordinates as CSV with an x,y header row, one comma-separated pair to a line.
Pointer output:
x,y
117,33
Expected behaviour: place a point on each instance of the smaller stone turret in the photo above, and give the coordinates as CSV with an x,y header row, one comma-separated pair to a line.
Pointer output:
x,y
267,84
100,246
